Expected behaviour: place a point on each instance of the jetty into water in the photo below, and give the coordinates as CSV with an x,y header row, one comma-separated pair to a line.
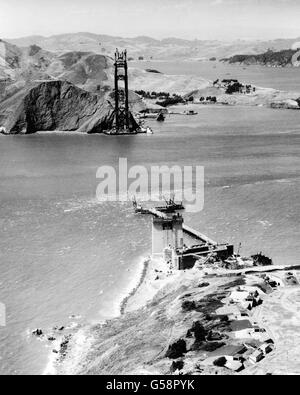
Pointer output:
x,y
170,235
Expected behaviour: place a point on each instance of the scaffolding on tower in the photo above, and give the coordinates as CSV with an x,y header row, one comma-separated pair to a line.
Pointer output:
x,y
124,122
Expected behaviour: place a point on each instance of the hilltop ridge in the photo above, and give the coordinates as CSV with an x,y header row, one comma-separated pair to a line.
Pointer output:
x,y
270,58
23,69
148,47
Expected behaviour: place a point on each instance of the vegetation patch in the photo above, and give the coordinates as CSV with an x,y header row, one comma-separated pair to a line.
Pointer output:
x,y
153,71
177,349
177,365
220,362
278,58
198,331
211,346
261,260
188,305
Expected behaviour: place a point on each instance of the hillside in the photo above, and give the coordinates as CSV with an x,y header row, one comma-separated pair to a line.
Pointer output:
x,y
165,335
22,69
147,47
20,66
185,322
270,58
57,105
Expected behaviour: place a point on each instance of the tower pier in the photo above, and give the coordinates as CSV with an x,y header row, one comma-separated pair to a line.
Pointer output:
x,y
124,122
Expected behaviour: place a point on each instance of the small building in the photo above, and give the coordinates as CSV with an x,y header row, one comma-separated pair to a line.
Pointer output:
x,y
242,329
228,310
256,356
230,352
236,366
266,348
246,299
260,334
248,353
190,255
233,312
256,291
239,296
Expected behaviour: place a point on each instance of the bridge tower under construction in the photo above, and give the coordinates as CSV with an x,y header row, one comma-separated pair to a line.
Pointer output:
x,y
123,124
167,232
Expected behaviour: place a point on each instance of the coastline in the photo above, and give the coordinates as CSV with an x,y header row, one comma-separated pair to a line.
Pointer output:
x,y
155,279
81,340
125,300
154,285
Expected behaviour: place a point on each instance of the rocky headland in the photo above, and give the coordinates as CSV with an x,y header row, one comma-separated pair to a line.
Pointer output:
x,y
59,105
73,91
283,58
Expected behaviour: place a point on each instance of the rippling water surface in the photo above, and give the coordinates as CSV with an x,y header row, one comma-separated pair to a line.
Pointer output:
x,y
63,253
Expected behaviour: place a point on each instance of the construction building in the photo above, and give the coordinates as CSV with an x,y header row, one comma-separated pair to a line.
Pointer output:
x,y
168,239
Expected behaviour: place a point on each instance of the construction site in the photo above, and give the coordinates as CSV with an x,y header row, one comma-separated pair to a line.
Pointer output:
x,y
180,245
124,122
226,290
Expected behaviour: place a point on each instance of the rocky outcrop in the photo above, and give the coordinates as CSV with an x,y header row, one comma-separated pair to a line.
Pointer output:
x,y
59,105
270,58
288,104
176,349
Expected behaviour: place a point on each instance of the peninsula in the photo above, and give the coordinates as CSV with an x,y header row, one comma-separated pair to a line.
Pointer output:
x,y
190,317
74,91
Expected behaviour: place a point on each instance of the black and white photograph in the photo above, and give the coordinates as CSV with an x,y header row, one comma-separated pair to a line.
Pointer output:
x,y
149,190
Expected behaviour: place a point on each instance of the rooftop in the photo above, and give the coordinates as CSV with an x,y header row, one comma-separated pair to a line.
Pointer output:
x,y
234,365
240,325
229,350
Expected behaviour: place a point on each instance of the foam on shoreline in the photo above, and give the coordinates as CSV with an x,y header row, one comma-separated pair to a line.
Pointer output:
x,y
80,341
134,288
141,288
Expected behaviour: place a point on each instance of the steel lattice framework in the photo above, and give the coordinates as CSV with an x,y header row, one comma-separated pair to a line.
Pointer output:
x,y
122,114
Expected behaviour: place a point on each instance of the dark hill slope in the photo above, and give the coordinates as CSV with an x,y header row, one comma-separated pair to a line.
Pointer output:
x,y
57,105
270,58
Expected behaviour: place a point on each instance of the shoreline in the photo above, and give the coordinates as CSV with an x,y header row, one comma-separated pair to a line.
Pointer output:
x,y
125,300
148,288
80,340
153,278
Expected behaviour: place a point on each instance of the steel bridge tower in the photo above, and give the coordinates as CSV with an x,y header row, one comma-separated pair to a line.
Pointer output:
x,y
122,113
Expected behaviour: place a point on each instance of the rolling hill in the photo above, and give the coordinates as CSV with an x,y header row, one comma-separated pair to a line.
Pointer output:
x,y
270,58
147,47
